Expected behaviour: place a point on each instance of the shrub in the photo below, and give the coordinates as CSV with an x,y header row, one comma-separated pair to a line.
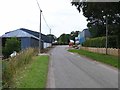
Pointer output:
x,y
11,44
101,42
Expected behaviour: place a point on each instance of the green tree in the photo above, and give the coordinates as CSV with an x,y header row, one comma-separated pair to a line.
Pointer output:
x,y
11,44
64,39
74,34
95,12
52,37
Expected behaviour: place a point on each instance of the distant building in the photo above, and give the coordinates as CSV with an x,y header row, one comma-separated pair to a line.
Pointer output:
x,y
76,40
83,35
27,38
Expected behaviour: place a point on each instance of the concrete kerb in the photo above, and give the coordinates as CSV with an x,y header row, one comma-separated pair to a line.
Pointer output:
x,y
42,54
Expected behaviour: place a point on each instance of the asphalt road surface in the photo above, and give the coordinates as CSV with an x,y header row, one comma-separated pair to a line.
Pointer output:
x,y
68,70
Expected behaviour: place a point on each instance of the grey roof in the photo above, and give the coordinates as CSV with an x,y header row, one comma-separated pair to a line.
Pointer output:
x,y
22,32
45,38
18,33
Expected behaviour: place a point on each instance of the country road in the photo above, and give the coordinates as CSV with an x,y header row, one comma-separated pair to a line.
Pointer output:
x,y
68,70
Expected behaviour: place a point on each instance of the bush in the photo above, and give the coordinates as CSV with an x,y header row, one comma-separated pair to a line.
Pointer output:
x,y
101,42
11,44
12,65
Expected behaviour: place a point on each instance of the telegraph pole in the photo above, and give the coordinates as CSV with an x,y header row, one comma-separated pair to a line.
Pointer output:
x,y
50,37
39,28
50,31
40,33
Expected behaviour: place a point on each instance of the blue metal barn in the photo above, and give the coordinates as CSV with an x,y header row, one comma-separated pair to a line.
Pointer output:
x,y
28,38
83,35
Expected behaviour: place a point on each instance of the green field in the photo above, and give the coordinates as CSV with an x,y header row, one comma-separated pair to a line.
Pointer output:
x,y
107,59
34,75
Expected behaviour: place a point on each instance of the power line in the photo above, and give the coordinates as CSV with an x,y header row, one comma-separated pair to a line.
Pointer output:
x,y
45,21
38,4
43,16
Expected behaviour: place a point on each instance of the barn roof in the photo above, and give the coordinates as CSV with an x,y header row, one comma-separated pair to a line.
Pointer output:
x,y
22,32
45,38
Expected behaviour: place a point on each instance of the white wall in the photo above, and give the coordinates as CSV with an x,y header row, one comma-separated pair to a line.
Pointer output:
x,y
47,45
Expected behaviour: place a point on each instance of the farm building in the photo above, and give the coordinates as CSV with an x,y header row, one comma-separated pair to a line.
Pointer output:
x,y
82,36
27,38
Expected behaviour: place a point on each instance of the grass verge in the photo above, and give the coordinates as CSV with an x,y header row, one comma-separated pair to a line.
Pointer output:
x,y
107,59
13,65
34,75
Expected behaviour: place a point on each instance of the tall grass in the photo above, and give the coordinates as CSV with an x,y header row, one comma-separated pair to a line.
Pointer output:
x,y
35,74
12,65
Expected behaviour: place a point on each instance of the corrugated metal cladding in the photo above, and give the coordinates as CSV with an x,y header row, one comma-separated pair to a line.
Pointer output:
x,y
35,43
25,42
27,37
83,35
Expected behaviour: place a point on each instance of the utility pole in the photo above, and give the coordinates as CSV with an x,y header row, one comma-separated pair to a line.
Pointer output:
x,y
50,31
106,34
40,33
39,28
50,37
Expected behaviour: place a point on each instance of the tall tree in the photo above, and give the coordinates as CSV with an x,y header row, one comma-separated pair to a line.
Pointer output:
x,y
95,13
73,35
52,37
64,39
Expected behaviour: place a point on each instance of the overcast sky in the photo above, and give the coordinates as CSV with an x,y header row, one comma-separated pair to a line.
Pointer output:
x,y
60,15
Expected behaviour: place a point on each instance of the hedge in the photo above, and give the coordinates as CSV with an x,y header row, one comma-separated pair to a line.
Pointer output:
x,y
101,42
